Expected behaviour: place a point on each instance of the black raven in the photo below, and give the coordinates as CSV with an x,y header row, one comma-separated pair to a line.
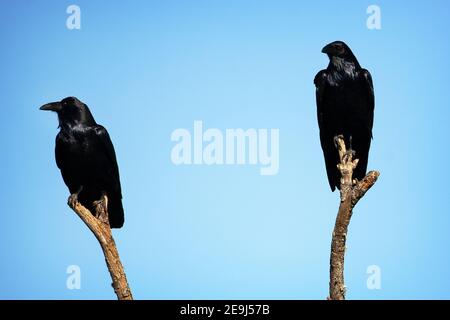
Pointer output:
x,y
86,157
345,104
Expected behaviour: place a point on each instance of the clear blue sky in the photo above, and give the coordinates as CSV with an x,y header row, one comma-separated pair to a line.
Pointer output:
x,y
146,68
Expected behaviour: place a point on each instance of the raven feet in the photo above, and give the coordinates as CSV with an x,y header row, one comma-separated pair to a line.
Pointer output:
x,y
73,198
101,209
72,201
336,140
349,155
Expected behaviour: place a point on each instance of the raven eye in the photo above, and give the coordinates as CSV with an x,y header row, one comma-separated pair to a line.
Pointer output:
x,y
68,100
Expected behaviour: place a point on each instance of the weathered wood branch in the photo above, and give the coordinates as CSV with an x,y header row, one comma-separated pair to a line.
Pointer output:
x,y
99,225
351,193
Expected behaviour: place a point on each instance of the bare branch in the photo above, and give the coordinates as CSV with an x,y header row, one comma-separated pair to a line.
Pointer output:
x,y
102,231
363,186
351,193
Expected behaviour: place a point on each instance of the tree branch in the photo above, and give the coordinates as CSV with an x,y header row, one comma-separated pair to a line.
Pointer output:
x,y
351,193
102,231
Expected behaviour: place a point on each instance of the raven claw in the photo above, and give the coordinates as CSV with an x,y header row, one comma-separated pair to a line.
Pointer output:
x,y
350,152
336,140
73,199
101,210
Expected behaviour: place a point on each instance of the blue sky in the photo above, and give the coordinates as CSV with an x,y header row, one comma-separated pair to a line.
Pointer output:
x,y
146,68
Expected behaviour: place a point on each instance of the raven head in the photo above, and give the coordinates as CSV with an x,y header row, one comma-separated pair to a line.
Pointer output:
x,y
71,112
339,52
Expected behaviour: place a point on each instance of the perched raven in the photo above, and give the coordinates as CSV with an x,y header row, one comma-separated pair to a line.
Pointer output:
x,y
345,104
85,155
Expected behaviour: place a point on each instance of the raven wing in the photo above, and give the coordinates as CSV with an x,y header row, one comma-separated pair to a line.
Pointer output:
x,y
64,162
112,168
325,126
364,109
370,98
114,192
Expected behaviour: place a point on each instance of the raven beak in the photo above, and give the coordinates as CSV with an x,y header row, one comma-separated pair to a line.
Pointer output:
x,y
52,106
327,49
